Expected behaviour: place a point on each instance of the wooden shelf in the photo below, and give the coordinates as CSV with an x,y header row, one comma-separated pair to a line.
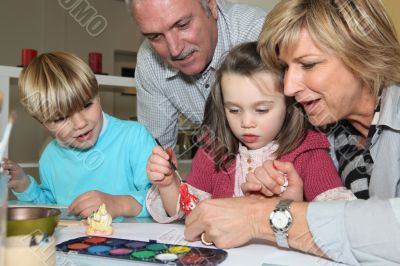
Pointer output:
x,y
105,80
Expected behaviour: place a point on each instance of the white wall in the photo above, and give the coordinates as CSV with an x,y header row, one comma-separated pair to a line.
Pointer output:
x,y
45,25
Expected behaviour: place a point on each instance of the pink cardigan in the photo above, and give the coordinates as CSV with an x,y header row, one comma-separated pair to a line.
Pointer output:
x,y
310,159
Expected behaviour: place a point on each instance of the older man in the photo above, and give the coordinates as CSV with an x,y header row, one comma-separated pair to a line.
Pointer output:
x,y
185,40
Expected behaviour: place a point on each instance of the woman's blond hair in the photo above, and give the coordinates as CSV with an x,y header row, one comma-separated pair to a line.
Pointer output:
x,y
55,85
359,32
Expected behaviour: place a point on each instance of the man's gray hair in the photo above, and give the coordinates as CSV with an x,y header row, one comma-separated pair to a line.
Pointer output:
x,y
206,8
203,4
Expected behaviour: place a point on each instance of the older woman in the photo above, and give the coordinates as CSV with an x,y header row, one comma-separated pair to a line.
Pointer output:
x,y
341,61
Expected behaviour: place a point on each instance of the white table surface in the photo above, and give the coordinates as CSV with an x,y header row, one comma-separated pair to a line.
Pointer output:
x,y
251,254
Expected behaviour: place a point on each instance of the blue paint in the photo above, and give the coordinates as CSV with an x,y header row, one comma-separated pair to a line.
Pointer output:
x,y
99,250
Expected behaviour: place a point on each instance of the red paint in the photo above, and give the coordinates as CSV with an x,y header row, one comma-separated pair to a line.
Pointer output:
x,y
95,240
191,259
187,201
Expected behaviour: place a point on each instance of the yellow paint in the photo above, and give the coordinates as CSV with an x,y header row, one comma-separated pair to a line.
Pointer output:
x,y
393,7
179,249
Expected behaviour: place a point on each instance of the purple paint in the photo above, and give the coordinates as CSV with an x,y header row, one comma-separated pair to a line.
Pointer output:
x,y
136,244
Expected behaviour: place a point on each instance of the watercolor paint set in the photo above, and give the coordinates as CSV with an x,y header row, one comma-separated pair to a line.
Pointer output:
x,y
152,252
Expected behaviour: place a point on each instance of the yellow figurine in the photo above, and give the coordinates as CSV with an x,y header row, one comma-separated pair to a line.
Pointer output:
x,y
99,223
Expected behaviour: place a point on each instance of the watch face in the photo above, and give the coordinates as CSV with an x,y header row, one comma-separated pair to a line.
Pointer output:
x,y
280,220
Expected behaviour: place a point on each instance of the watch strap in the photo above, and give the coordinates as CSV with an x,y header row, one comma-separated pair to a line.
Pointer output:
x,y
282,239
284,204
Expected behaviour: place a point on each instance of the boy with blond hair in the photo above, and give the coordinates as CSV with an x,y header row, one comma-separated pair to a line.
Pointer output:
x,y
94,158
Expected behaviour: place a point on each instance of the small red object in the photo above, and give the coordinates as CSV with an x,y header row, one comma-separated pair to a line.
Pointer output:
x,y
27,56
95,62
188,201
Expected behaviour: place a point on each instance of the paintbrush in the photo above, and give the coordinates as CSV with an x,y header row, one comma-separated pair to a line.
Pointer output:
x,y
170,162
6,134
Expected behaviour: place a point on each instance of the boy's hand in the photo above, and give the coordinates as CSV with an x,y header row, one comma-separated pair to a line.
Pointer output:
x,y
117,205
268,179
159,169
19,181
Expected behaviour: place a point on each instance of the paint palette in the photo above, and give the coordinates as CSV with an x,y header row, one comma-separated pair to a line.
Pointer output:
x,y
151,252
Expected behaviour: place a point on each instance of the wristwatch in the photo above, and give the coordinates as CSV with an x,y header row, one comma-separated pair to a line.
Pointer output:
x,y
281,221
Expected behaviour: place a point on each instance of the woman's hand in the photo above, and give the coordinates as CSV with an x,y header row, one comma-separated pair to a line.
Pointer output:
x,y
229,222
232,222
19,181
269,178
158,167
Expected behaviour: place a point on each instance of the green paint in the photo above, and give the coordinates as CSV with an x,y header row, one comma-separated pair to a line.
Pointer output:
x,y
143,255
156,247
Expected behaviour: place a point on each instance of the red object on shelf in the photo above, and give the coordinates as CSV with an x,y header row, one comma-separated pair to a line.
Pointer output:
x,y
95,62
28,55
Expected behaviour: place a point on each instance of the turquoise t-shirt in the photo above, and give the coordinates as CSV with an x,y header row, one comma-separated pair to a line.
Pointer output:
x,y
116,165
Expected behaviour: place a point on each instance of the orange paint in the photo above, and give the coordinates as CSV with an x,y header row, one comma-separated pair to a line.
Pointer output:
x,y
77,246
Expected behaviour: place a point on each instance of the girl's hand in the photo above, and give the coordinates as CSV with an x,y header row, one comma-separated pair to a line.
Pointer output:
x,y
159,169
269,178
19,181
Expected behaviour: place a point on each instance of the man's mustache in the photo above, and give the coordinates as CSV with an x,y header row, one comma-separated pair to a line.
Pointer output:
x,y
183,55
